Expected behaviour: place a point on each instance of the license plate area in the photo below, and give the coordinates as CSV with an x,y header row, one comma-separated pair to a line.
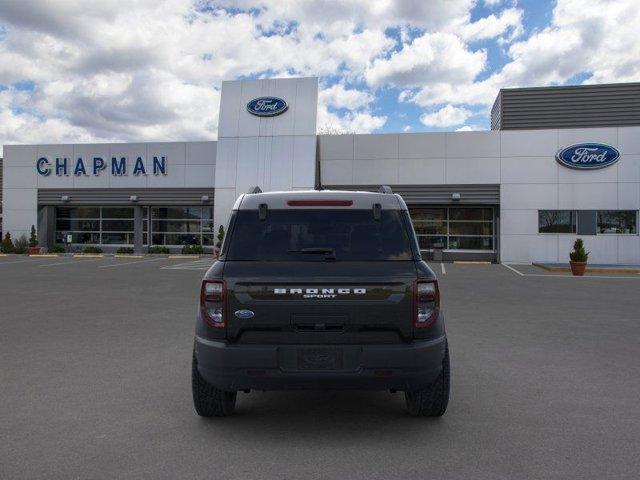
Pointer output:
x,y
320,358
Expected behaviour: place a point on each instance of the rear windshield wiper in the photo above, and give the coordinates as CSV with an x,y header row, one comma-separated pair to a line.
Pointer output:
x,y
330,253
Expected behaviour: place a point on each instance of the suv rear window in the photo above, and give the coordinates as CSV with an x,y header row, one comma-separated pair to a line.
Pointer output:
x,y
315,235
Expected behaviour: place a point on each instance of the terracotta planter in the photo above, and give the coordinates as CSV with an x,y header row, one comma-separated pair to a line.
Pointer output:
x,y
578,268
33,250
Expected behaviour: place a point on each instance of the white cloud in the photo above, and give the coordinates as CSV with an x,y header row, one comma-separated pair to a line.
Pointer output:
x,y
151,71
340,97
469,128
407,128
432,57
357,119
447,116
351,122
509,22
597,38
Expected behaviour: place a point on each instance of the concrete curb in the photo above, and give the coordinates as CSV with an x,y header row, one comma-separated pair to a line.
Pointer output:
x,y
472,262
88,255
589,269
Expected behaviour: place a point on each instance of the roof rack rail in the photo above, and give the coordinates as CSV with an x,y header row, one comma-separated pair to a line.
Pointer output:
x,y
255,189
385,189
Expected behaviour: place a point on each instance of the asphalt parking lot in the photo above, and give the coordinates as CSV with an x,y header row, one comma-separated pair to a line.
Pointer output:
x,y
95,383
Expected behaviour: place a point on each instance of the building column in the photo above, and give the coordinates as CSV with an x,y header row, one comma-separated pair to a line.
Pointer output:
x,y
46,227
138,215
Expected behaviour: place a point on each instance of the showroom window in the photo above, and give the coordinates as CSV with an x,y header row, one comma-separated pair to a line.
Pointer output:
x,y
556,221
95,225
618,222
182,226
453,228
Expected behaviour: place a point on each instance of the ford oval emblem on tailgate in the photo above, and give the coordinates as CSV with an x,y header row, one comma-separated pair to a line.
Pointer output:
x,y
244,313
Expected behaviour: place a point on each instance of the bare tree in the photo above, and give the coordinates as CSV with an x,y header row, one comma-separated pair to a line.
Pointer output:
x,y
331,129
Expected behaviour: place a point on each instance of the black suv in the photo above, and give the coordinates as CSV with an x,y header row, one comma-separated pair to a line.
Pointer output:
x,y
320,290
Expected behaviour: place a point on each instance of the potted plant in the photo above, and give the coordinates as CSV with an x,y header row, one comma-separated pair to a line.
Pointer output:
x,y
33,249
578,258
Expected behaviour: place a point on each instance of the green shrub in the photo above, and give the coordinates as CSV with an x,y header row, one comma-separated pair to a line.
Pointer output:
x,y
7,244
57,248
579,254
125,250
20,245
91,249
192,250
158,249
33,238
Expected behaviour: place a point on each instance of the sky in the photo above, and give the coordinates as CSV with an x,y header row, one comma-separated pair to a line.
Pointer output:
x,y
77,71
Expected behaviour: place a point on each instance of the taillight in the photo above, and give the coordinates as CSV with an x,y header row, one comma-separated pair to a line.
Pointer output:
x,y
426,303
212,302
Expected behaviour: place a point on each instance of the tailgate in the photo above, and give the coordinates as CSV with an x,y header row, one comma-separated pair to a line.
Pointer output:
x,y
319,302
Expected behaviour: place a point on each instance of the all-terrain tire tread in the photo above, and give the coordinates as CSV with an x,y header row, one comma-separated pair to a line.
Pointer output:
x,y
208,400
433,400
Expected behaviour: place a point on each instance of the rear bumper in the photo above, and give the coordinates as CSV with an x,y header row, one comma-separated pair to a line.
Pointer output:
x,y
290,367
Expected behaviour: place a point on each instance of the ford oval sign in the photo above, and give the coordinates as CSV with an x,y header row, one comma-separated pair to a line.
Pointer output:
x,y
267,106
588,156
244,313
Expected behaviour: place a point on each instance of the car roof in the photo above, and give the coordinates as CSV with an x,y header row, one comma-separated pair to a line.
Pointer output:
x,y
314,199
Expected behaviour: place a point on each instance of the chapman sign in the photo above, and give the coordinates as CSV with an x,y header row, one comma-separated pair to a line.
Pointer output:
x,y
118,166
267,106
588,156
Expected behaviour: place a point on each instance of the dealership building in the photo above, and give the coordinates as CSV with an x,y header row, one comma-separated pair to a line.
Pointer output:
x,y
558,163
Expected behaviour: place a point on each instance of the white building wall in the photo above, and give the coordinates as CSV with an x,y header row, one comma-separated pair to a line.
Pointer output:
x,y
189,164
274,153
522,162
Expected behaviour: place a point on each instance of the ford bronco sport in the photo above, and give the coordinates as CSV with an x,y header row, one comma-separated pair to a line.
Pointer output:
x,y
320,290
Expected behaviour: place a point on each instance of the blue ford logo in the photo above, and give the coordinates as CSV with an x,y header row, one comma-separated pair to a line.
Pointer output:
x,y
244,313
588,156
267,106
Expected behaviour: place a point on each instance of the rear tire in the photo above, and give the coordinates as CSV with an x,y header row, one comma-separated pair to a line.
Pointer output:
x,y
208,400
431,401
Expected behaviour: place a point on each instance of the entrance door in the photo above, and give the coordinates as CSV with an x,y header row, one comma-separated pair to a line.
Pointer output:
x,y
464,232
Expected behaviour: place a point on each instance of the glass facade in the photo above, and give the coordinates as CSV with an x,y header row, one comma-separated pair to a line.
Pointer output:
x,y
591,222
182,226
95,225
171,226
454,228
618,221
556,221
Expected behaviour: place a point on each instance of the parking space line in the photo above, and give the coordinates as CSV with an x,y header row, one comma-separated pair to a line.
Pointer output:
x,y
202,264
513,269
130,263
72,262
31,260
551,275
444,271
